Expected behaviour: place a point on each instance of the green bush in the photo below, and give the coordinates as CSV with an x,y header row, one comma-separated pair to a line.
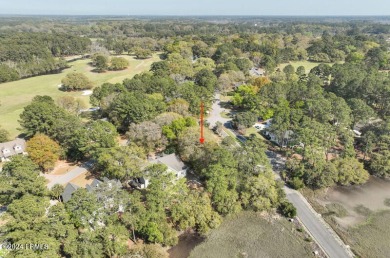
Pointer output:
x,y
296,183
287,209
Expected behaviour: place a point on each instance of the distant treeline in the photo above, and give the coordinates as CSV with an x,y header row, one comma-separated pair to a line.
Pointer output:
x,y
28,54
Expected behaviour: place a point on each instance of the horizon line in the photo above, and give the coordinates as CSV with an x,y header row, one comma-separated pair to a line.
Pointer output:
x,y
208,15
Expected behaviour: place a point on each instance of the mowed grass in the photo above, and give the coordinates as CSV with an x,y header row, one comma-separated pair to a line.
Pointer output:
x,y
14,96
371,238
307,64
249,235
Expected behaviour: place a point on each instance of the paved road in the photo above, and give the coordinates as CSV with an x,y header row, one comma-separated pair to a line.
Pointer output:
x,y
324,236
66,178
215,113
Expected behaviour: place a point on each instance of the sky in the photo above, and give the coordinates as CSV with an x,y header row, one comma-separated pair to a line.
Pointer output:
x,y
196,7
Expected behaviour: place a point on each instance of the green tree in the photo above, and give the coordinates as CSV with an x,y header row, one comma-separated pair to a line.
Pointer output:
x,y
287,209
122,163
96,135
351,171
361,112
100,62
245,119
102,95
43,151
206,78
301,71
132,107
76,81
119,63
8,74
380,163
41,116
221,182
4,135
83,209
194,211
141,53
19,177
289,70
56,191
29,215
259,192
177,126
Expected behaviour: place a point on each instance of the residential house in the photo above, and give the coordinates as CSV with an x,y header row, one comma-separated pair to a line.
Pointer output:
x,y
70,188
287,137
11,148
174,165
257,72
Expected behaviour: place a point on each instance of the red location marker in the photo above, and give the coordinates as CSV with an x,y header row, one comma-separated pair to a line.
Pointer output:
x,y
201,140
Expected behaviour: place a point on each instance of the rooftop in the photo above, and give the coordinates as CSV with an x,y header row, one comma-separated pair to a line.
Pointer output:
x,y
11,148
172,161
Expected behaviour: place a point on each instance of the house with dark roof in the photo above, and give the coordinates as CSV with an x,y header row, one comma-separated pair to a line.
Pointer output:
x,y
70,188
11,148
95,183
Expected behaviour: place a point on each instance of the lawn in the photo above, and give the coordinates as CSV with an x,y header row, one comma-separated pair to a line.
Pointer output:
x,y
83,179
307,64
14,96
252,130
250,235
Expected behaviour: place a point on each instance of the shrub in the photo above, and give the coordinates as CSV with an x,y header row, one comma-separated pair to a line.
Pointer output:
x,y
287,209
296,183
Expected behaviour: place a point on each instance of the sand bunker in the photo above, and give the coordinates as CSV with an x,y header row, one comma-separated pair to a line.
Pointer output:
x,y
86,93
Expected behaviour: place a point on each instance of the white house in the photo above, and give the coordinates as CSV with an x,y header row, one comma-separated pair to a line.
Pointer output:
x,y
174,165
11,148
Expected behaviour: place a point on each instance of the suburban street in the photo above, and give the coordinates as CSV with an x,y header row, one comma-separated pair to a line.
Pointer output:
x,y
215,113
320,231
